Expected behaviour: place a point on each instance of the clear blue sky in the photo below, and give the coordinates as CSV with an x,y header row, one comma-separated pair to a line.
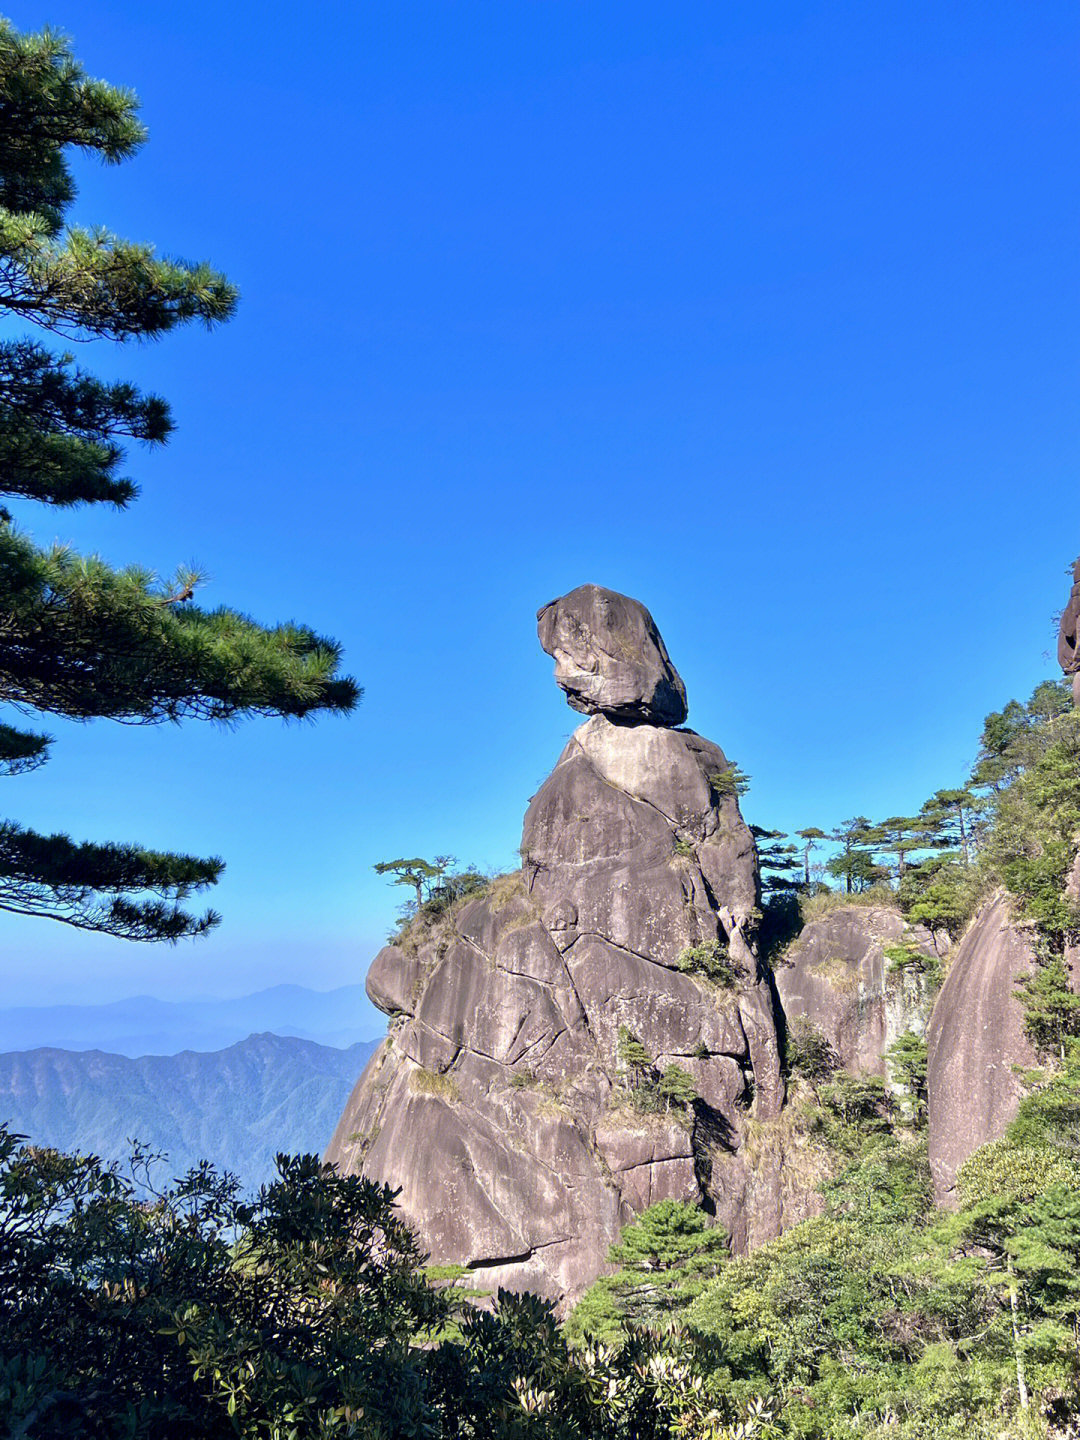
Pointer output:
x,y
765,314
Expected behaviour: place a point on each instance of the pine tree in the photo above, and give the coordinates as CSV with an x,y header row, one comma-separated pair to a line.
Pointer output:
x,y
665,1257
1046,1256
632,1053
1051,1008
77,638
907,1069
778,861
676,1088
899,836
416,873
810,837
948,821
855,863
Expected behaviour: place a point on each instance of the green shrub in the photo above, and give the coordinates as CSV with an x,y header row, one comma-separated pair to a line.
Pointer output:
x,y
809,1053
712,960
728,783
905,956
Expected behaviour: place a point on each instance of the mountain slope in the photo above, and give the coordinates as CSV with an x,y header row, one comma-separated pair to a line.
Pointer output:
x,y
237,1107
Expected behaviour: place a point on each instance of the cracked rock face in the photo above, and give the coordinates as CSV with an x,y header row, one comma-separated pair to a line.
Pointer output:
x,y
609,657
498,1102
837,977
1069,635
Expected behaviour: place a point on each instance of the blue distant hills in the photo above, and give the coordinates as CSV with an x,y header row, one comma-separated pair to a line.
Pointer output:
x,y
237,1106
233,1081
145,1026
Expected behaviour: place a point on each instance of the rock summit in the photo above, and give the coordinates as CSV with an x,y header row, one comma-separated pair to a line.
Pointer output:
x,y
610,659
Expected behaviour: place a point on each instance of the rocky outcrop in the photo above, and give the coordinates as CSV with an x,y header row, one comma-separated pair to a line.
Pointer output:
x,y
498,1102
1069,635
975,1040
609,657
838,977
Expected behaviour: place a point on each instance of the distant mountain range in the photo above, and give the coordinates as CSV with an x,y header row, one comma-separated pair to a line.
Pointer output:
x,y
145,1026
237,1106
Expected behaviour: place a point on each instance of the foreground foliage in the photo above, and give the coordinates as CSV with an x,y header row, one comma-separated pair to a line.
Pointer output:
x,y
187,1312
882,1317
78,638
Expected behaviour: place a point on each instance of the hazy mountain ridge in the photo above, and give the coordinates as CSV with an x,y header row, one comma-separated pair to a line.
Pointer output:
x,y
237,1106
143,1025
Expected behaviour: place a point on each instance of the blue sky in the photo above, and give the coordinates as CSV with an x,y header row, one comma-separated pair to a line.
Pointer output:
x,y
765,314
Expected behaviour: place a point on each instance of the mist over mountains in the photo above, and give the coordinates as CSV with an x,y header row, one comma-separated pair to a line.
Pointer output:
x,y
237,1107
232,1081
143,1025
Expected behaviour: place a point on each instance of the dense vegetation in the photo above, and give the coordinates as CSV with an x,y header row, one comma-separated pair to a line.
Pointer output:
x,y
937,862
306,1313
881,1317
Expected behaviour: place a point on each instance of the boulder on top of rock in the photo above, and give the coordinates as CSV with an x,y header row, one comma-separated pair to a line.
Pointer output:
x,y
500,1103
610,659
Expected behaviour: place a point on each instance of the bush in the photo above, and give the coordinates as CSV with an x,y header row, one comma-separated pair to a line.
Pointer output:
x,y
193,1313
905,956
712,960
809,1053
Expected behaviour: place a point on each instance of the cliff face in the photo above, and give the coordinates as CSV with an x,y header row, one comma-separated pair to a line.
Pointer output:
x,y
837,976
499,1103
974,1041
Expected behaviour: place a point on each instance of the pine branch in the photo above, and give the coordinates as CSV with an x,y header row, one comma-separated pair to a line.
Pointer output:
x,y
22,751
95,284
46,104
93,886
80,639
59,427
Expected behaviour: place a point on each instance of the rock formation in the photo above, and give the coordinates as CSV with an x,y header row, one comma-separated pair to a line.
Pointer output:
x,y
609,657
837,977
498,1102
974,1041
1068,636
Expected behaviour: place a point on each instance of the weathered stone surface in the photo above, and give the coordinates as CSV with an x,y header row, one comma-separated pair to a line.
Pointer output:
x,y
628,839
651,1158
609,657
394,981
498,1102
1069,635
837,977
974,1039
670,1013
